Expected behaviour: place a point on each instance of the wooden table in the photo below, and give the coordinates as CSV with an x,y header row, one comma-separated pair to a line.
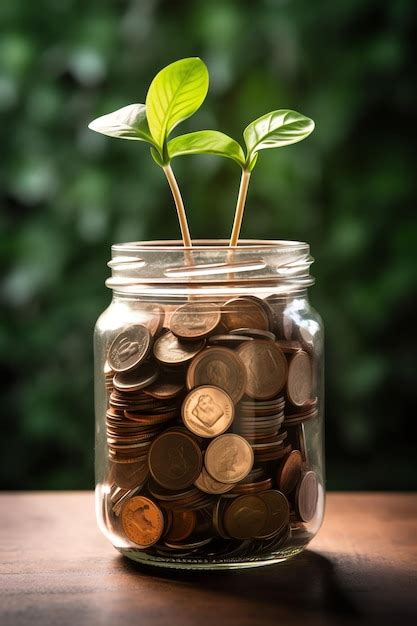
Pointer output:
x,y
56,569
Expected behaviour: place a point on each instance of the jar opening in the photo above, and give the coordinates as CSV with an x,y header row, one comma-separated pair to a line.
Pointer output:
x,y
139,267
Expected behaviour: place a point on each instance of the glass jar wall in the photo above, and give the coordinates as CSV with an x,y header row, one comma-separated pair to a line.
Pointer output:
x,y
209,404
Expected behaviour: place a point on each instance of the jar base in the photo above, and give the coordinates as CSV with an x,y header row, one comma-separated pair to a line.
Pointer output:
x,y
209,565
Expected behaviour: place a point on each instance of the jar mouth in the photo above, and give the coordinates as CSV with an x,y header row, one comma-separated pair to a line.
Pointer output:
x,y
210,265
209,244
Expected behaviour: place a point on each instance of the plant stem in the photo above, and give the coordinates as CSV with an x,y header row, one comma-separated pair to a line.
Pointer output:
x,y
182,218
240,207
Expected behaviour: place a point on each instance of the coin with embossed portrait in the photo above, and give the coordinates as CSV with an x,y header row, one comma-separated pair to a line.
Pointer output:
x,y
175,459
129,348
142,521
194,320
229,458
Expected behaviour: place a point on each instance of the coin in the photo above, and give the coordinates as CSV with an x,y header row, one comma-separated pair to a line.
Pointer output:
x,y
229,341
170,350
220,367
152,316
245,517
266,368
306,496
165,389
175,460
244,312
136,379
278,513
129,475
207,411
182,526
209,485
289,472
300,380
142,520
255,333
194,320
129,348
229,458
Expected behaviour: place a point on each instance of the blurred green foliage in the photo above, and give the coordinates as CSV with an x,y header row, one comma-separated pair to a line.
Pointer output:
x,y
67,194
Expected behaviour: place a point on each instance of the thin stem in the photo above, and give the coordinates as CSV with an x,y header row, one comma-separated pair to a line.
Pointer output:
x,y
185,233
240,207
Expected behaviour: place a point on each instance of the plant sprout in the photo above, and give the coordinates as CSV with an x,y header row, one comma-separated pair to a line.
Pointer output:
x,y
177,92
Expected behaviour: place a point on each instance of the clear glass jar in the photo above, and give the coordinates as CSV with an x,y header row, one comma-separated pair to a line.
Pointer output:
x,y
209,404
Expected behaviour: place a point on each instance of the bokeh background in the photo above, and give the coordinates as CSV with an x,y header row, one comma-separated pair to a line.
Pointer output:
x,y
68,193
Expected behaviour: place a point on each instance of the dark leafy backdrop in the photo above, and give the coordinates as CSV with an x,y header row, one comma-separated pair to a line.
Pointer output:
x,y
68,193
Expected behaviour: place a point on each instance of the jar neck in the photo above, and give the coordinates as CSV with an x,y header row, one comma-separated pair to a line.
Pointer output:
x,y
210,269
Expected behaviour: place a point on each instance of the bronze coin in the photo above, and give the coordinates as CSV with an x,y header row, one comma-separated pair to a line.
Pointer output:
x,y
245,517
208,411
278,513
229,341
266,368
142,520
136,379
129,348
306,496
129,475
168,349
182,526
300,379
244,312
229,458
175,460
219,367
165,389
289,472
194,320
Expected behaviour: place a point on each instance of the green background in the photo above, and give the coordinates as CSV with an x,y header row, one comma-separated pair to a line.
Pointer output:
x,y
68,193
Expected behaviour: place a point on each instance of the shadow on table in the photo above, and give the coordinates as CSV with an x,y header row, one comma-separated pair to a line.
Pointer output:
x,y
305,584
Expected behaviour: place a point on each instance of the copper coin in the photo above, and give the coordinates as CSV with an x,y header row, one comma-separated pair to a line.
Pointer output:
x,y
183,525
245,517
278,513
300,379
306,496
129,348
207,411
142,520
168,349
175,460
266,368
229,341
220,367
194,320
165,389
229,458
289,472
129,475
136,379
209,485
244,312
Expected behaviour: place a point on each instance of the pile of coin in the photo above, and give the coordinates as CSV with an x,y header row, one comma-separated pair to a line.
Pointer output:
x,y
206,444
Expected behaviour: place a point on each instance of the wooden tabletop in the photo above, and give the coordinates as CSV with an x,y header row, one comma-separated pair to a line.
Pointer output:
x,y
57,569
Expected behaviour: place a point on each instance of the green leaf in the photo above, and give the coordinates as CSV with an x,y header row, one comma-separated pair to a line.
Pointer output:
x,y
207,142
176,92
274,130
128,122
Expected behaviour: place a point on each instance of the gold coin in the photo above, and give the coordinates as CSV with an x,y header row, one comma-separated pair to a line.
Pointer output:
x,y
229,458
142,521
207,411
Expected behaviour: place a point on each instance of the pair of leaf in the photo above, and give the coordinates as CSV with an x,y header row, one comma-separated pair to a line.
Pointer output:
x,y
175,94
272,130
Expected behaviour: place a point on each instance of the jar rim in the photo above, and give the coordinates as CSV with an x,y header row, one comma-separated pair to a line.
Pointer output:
x,y
176,245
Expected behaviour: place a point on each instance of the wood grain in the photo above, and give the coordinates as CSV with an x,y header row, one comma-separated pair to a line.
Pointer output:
x,y
56,569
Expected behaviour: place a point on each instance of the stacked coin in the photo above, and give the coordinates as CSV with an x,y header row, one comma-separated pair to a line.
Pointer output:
x,y
205,429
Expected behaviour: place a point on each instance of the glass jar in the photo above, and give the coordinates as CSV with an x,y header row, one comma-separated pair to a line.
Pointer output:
x,y
209,404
